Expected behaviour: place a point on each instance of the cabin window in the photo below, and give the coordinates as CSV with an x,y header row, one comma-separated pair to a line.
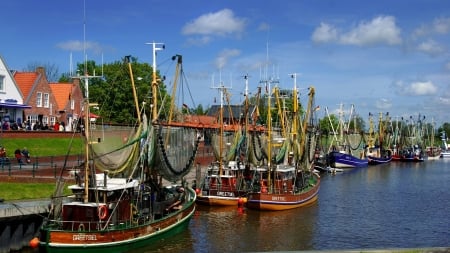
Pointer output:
x,y
39,99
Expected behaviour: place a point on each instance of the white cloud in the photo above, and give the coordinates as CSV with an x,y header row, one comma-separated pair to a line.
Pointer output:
x,y
76,45
380,30
415,88
422,88
438,26
202,40
324,33
444,101
223,57
220,23
430,47
441,25
383,104
263,27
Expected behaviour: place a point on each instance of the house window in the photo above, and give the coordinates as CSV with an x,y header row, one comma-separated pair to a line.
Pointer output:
x,y
39,99
72,104
46,100
52,121
32,118
44,120
2,83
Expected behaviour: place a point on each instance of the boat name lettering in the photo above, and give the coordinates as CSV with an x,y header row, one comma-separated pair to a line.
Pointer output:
x,y
84,237
278,198
225,194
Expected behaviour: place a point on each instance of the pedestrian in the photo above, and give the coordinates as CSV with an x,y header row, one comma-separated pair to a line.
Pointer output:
x,y
18,155
26,154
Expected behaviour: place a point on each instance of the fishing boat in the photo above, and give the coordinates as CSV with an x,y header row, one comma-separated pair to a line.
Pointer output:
x,y
433,152
121,200
224,184
342,153
375,152
409,148
286,180
445,149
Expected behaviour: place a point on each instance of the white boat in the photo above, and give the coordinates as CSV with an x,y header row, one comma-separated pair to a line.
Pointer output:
x,y
445,151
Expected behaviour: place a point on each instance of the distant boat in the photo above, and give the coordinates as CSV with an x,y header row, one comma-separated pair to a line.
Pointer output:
x,y
445,152
342,154
433,152
223,184
376,154
408,143
287,179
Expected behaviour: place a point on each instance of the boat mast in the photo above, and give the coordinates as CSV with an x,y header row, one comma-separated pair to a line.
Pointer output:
x,y
136,102
156,47
221,88
269,137
86,108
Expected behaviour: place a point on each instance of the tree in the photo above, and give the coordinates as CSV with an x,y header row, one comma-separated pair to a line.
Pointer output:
x,y
328,124
113,92
51,70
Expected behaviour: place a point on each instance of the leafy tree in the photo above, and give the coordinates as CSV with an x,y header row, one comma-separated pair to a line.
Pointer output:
x,y
199,110
327,124
113,91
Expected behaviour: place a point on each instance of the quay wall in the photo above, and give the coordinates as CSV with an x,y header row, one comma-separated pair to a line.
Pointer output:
x,y
20,222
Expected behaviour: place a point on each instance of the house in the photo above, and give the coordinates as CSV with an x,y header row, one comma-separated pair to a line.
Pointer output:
x,y
232,114
12,105
69,99
38,94
51,103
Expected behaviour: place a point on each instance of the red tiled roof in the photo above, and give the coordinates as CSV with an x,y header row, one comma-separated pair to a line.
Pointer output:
x,y
25,81
61,92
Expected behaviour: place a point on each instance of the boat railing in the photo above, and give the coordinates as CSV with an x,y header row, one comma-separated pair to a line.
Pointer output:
x,y
89,226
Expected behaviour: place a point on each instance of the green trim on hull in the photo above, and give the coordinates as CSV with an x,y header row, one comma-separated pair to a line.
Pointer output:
x,y
120,247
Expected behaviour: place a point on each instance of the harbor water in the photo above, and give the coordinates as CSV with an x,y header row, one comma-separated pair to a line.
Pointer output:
x,y
393,206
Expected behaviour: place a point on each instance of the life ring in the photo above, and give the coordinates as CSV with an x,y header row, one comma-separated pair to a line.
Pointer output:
x,y
81,227
102,212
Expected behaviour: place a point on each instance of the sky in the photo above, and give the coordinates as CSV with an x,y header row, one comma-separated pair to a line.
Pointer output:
x,y
380,56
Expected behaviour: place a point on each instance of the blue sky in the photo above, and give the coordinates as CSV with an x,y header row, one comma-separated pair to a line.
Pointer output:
x,y
382,56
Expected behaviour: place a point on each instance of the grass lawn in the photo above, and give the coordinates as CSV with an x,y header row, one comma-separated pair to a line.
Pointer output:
x,y
38,147
22,191
43,146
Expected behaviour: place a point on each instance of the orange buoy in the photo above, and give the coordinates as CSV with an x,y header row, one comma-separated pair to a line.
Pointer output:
x,y
102,212
240,201
197,191
34,243
264,189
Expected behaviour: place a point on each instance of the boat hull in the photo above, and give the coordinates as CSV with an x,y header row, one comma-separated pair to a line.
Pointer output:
x,y
120,239
445,154
283,201
373,160
211,200
342,160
